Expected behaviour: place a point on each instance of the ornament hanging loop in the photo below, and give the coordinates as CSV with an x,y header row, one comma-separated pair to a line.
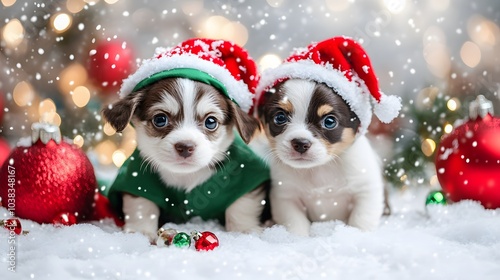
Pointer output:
x,y
480,107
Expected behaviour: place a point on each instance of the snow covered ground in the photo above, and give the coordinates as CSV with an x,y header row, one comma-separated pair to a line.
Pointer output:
x,y
459,241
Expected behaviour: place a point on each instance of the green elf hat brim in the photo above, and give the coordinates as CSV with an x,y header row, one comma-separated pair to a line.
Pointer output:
x,y
187,73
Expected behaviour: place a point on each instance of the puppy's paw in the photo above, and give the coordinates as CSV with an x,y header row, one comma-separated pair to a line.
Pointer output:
x,y
231,227
152,236
364,223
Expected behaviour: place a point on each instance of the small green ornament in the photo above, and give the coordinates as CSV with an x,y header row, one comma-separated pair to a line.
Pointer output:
x,y
182,240
435,197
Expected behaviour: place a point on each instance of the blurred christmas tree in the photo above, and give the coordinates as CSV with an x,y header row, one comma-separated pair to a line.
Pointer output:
x,y
431,115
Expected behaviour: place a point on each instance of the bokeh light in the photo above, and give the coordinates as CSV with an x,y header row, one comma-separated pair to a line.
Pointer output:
x,y
337,5
105,152
61,22
269,60
192,7
482,31
71,77
8,3
453,104
470,54
47,106
78,141
448,128
13,33
108,129
81,96
119,157
23,94
75,6
219,27
428,147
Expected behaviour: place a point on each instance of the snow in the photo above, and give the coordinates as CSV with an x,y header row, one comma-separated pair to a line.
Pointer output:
x,y
459,241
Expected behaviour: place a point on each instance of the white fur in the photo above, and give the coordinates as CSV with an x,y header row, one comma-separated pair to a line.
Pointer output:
x,y
141,215
187,173
317,186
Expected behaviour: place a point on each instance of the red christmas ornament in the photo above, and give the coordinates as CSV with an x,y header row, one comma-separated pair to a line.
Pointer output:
x,y
65,219
468,159
102,210
4,151
110,63
49,177
12,224
205,241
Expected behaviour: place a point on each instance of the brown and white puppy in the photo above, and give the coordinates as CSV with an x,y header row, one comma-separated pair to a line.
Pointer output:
x,y
321,169
184,129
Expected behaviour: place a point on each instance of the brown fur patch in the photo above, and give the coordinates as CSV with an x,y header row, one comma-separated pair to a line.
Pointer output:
x,y
274,104
323,97
153,95
324,109
346,141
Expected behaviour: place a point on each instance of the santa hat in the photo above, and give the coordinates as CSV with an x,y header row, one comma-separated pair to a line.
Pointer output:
x,y
342,64
219,63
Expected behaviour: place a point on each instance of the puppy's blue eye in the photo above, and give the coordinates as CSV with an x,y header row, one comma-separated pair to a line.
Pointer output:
x,y
280,118
160,120
211,123
329,122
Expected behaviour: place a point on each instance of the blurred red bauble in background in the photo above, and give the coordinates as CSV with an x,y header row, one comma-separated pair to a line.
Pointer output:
x,y
4,151
468,159
109,63
49,177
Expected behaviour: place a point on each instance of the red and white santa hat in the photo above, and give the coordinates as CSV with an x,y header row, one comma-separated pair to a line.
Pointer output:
x,y
342,64
222,64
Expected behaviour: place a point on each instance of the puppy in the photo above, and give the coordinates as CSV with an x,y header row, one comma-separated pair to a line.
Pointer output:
x,y
185,135
321,168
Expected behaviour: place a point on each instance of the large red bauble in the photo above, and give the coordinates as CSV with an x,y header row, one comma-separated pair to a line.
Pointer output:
x,y
468,162
50,179
4,150
110,63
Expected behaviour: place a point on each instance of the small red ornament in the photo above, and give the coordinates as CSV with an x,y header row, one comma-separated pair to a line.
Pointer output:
x,y
49,177
65,219
12,224
110,63
468,159
205,241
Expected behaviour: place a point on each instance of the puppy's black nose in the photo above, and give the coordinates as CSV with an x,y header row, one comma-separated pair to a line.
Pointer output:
x,y
301,145
185,149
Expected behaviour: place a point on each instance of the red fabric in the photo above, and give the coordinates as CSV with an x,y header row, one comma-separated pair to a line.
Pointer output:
x,y
345,55
222,53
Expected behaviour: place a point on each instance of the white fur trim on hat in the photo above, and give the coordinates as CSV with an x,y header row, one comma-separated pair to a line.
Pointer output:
x,y
356,96
238,90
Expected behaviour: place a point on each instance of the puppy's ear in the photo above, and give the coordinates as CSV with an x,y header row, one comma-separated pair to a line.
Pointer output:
x,y
246,124
261,110
120,113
